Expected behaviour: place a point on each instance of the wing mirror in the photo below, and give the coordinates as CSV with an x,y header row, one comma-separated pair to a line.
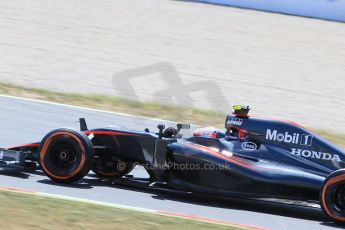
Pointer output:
x,y
160,127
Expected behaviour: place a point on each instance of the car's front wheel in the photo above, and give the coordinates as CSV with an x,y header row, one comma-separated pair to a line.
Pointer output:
x,y
66,155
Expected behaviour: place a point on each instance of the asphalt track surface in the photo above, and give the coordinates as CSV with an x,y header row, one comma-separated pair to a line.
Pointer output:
x,y
24,121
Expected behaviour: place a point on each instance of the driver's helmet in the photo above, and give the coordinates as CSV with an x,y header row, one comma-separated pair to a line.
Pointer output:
x,y
210,132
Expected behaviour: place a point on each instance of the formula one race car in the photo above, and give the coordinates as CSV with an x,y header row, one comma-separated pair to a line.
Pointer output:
x,y
252,158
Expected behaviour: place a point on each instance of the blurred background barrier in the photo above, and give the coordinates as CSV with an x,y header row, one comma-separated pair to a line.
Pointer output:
x,y
323,9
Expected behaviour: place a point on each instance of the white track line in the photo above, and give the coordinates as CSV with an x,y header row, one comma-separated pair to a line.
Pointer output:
x,y
84,108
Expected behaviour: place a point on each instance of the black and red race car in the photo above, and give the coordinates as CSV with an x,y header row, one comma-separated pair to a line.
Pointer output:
x,y
252,158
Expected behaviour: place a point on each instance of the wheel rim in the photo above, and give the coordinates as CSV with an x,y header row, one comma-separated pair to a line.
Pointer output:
x,y
339,198
63,155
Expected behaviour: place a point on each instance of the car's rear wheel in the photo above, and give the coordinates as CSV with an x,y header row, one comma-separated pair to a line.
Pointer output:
x,y
332,196
107,161
114,168
66,155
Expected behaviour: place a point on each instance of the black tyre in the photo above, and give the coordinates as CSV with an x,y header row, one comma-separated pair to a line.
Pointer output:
x,y
66,155
111,169
332,196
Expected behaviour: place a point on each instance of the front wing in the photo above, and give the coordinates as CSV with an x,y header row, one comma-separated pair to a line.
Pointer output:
x,y
10,159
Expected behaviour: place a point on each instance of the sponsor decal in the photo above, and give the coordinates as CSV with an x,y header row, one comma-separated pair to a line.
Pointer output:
x,y
207,132
1,155
234,121
315,155
249,146
286,137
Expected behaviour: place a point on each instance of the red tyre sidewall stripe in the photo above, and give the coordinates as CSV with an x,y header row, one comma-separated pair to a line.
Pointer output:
x,y
102,173
329,183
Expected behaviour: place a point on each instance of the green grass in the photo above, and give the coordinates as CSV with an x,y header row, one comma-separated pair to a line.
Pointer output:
x,y
148,109
117,104
26,211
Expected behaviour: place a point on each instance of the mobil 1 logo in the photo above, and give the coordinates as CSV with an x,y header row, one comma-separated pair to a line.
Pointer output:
x,y
289,138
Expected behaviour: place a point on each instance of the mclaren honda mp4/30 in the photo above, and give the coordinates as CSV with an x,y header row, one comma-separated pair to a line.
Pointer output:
x,y
252,158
